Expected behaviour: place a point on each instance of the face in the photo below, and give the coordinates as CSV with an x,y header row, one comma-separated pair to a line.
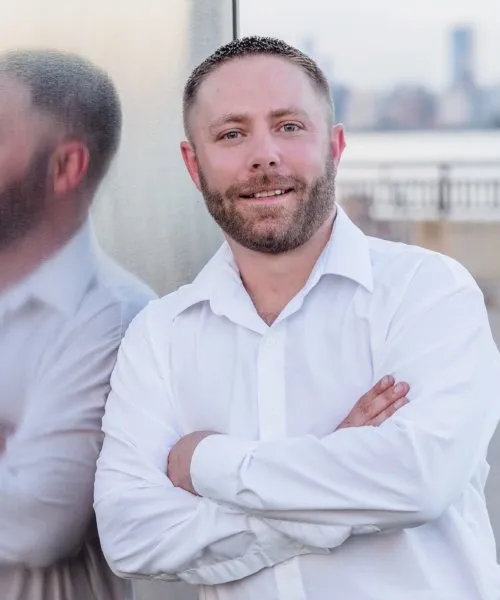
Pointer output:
x,y
24,164
264,154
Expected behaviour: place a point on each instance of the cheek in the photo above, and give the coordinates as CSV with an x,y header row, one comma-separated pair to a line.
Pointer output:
x,y
221,169
307,165
307,154
17,147
13,166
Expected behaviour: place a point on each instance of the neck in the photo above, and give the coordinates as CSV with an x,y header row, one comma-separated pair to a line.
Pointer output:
x,y
272,280
25,255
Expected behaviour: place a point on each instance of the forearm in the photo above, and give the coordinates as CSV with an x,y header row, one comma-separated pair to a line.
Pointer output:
x,y
148,528
44,512
411,468
334,482
356,480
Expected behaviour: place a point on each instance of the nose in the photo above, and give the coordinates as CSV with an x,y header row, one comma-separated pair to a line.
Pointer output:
x,y
264,154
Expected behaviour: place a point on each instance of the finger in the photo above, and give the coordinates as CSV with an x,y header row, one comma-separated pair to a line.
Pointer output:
x,y
378,399
387,398
368,407
379,388
388,412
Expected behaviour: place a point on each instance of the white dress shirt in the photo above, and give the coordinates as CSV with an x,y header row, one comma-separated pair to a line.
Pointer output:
x,y
291,509
60,329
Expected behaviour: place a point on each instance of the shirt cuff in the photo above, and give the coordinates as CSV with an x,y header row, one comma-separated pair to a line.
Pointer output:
x,y
215,465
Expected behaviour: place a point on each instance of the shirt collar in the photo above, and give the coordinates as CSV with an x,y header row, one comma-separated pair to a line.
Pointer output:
x,y
61,281
346,255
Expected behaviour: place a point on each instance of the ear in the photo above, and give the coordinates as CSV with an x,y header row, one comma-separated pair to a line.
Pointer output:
x,y
191,162
69,165
337,142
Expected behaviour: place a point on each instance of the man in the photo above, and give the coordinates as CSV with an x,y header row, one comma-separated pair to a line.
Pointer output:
x,y
63,310
242,378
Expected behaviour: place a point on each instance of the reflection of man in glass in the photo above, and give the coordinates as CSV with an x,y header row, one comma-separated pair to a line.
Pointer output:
x,y
63,310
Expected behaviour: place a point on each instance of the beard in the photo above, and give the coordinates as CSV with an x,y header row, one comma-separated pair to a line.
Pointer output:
x,y
275,228
23,202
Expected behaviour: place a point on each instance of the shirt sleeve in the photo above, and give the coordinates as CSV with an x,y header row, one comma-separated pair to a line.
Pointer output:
x,y
405,472
48,467
147,527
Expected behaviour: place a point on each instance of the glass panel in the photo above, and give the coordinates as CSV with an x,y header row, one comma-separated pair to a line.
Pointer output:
x,y
147,214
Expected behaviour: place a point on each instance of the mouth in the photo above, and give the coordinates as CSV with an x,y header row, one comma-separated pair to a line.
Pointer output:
x,y
267,194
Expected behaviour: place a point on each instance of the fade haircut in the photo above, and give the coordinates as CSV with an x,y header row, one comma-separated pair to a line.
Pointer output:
x,y
252,46
77,95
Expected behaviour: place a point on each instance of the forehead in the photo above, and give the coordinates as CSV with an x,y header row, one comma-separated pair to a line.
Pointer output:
x,y
257,84
20,122
15,99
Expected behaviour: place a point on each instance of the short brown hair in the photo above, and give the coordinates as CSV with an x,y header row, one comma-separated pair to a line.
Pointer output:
x,y
251,46
76,94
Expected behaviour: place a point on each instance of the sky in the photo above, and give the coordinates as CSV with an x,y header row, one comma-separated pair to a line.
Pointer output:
x,y
373,44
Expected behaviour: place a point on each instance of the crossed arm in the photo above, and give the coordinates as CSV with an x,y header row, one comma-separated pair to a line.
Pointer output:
x,y
401,474
259,503
148,526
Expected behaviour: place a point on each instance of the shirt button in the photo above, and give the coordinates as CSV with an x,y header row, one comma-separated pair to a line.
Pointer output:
x,y
271,342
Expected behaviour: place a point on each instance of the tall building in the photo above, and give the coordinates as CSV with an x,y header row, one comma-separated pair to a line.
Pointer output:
x,y
362,110
408,107
462,57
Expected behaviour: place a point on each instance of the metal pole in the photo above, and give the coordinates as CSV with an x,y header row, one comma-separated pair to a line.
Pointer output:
x,y
444,189
236,28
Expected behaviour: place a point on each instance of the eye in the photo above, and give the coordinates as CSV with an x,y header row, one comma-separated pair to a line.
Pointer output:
x,y
230,135
290,127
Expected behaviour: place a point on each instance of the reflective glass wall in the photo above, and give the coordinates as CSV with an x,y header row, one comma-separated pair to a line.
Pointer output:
x,y
56,320
147,212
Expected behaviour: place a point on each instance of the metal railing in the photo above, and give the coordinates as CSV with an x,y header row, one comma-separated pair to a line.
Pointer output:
x,y
423,190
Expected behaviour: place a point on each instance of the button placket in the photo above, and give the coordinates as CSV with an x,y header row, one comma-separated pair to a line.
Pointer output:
x,y
271,388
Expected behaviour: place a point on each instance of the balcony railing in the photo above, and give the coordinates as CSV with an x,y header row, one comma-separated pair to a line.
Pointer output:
x,y
424,190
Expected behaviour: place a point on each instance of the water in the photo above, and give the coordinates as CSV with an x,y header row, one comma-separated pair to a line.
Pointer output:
x,y
433,146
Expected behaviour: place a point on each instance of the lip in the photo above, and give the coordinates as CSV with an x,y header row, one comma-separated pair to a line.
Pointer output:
x,y
273,198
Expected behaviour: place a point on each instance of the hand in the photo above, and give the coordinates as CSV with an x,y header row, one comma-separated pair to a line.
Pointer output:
x,y
179,460
376,406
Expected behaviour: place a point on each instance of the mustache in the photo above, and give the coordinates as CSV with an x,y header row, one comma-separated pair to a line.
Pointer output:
x,y
265,182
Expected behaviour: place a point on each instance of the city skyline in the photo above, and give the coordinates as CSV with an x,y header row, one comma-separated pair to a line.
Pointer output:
x,y
392,44
462,104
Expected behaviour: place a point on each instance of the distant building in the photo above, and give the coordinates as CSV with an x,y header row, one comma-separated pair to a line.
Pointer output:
x,y
340,96
462,104
462,58
455,109
408,107
362,110
491,107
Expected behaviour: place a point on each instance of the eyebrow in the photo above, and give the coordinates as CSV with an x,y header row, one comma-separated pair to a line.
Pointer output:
x,y
289,110
242,117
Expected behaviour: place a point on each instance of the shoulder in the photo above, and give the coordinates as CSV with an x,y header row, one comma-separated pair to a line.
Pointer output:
x,y
159,314
114,296
398,265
